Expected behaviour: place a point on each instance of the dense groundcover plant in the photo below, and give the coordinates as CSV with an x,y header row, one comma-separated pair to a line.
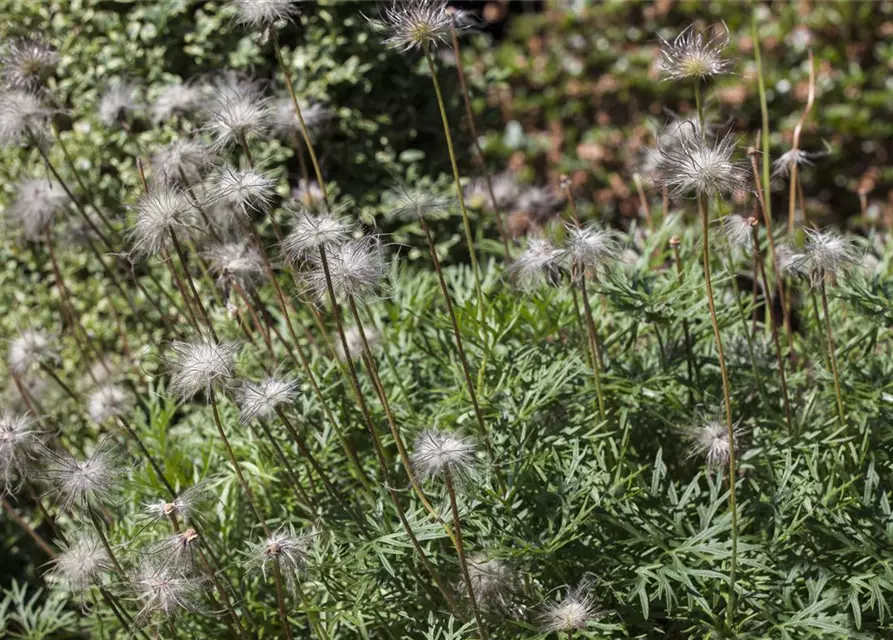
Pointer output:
x,y
412,320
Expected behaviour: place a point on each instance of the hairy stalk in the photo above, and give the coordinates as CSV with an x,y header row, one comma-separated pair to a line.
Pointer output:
x,y
280,598
145,451
472,124
832,356
265,335
774,327
198,301
694,377
249,494
100,531
469,237
458,336
460,550
181,288
579,316
27,528
795,146
306,135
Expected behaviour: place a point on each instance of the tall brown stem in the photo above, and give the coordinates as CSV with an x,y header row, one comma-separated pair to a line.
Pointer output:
x,y
841,414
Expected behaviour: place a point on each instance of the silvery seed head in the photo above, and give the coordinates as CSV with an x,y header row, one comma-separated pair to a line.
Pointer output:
x,y
538,265
697,166
179,548
109,401
781,167
310,231
38,203
436,453
790,263
355,343
506,190
710,438
695,55
243,190
81,562
160,589
200,365
19,442
738,230
592,248
83,482
826,253
239,112
285,546
422,25
491,580
23,117
236,262
261,399
180,100
264,14
27,63
357,269
411,203
164,210
184,506
181,159
118,101
285,119
31,348
574,612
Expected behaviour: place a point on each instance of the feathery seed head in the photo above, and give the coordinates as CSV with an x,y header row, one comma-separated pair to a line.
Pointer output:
x,y
694,54
290,549
311,231
738,230
243,190
428,202
31,347
539,264
592,248
38,202
162,590
165,209
181,158
27,62
710,438
355,343
781,167
826,253
574,612
108,401
200,365
23,117
239,111
285,119
699,167
492,580
264,14
81,562
357,268
19,441
505,189
236,262
184,505
416,24
436,453
260,399
790,263
182,99
119,100
83,482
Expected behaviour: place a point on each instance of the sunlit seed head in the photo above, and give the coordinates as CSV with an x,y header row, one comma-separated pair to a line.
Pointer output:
x,y
697,166
165,209
27,63
291,550
262,399
285,121
31,348
23,118
83,482
695,54
185,506
783,164
409,203
356,268
236,263
38,202
239,111
436,453
19,443
710,439
181,162
161,590
355,342
81,562
420,25
538,265
244,190
118,101
738,230
264,14
592,248
573,612
109,401
177,100
492,580
200,365
311,231
826,253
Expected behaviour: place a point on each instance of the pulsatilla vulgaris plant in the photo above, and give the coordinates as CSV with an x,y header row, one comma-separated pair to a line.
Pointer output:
x,y
539,396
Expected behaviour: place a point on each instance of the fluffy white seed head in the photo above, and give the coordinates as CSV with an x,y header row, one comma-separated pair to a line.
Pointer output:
x,y
39,201
27,63
355,343
311,231
181,159
118,101
184,506
436,453
200,365
538,265
109,401
243,190
261,399
826,253
694,54
285,546
286,122
161,590
357,269
81,563
236,262
83,482
738,230
782,166
23,118
710,438
31,348
413,203
239,111
699,166
790,263
492,580
574,612
592,248
19,441
165,209
506,190
264,14
416,24
177,100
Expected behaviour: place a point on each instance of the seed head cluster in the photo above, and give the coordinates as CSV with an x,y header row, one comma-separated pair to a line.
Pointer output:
x,y
700,167
261,399
420,25
200,365
695,55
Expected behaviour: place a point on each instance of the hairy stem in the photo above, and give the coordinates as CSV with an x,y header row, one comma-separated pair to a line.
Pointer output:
x,y
460,550
841,414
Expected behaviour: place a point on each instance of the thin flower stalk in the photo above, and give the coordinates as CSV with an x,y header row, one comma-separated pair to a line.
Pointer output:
x,y
196,298
27,528
469,237
96,519
832,356
795,148
472,125
280,598
156,467
774,328
694,377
